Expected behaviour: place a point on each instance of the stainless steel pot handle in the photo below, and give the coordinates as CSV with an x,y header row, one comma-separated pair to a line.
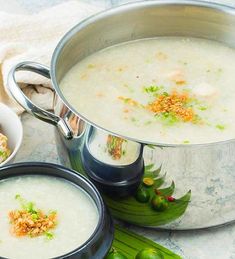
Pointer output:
x,y
24,101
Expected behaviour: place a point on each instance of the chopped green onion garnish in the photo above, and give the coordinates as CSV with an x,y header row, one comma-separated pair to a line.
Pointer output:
x,y
168,118
203,108
49,235
17,196
220,126
35,216
152,89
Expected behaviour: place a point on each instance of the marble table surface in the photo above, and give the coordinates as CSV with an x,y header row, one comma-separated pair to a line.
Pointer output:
x,y
39,145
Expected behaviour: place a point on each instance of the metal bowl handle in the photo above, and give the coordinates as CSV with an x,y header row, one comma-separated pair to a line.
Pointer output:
x,y
27,104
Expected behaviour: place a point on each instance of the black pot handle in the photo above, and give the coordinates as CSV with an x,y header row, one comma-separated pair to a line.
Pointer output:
x,y
27,104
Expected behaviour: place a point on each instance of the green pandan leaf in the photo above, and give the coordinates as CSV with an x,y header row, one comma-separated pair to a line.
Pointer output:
x,y
159,181
130,210
130,243
142,214
169,190
148,167
154,173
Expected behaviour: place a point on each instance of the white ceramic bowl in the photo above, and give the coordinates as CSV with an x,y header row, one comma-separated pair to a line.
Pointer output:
x,y
11,126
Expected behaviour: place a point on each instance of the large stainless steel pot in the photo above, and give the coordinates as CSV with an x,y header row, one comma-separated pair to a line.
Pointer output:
x,y
207,170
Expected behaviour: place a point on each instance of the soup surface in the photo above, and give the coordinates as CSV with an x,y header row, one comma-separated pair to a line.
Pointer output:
x,y
76,213
172,90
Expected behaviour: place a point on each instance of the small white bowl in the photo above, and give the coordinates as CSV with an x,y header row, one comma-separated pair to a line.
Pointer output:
x,y
11,126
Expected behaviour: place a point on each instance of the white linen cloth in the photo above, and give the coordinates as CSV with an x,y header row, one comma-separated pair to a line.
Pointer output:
x,y
33,38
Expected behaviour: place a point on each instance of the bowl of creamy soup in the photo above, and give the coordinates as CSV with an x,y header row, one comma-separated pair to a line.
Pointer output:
x,y
51,212
160,74
11,134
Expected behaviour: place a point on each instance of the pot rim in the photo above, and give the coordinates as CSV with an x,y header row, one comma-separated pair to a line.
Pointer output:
x,y
98,200
109,12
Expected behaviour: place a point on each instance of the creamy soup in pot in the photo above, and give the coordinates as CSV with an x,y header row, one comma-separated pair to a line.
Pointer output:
x,y
43,217
172,90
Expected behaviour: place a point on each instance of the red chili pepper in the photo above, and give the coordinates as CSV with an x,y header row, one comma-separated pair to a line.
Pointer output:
x,y
170,198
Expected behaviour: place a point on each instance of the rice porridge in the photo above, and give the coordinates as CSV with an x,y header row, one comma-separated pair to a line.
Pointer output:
x,y
172,90
43,216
